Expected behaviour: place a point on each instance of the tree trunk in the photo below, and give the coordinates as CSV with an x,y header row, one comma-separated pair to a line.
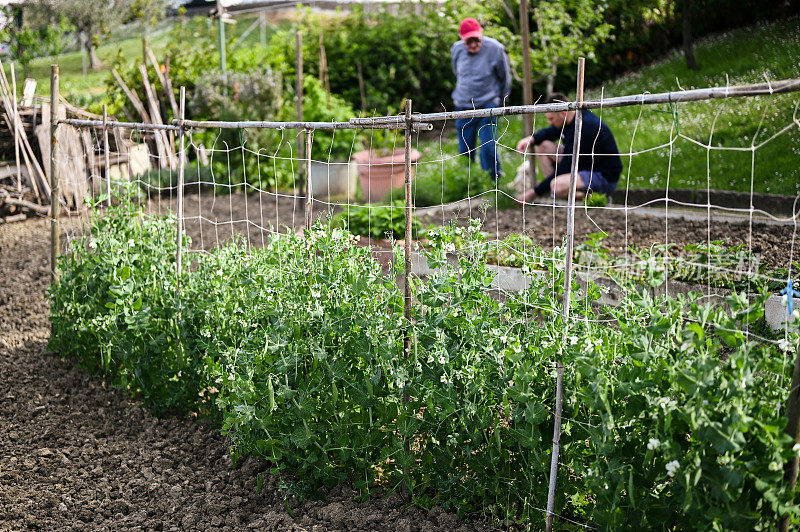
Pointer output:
x,y
551,80
94,61
688,46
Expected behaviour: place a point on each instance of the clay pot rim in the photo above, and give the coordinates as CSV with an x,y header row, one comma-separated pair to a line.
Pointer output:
x,y
367,158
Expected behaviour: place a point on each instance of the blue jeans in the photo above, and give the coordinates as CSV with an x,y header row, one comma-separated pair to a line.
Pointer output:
x,y
468,129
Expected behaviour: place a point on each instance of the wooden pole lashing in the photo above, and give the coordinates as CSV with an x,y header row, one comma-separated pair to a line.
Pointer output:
x,y
55,190
106,162
551,494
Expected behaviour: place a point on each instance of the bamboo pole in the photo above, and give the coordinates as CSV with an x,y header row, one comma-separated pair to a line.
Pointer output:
x,y
309,213
790,468
212,124
132,96
16,131
408,212
28,154
712,93
573,177
323,70
55,190
298,89
106,162
361,89
527,88
223,63
179,218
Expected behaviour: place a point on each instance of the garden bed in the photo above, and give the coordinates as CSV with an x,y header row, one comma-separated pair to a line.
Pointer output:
x,y
80,455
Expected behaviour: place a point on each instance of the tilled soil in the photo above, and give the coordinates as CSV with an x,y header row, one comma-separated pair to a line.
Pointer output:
x,y
75,454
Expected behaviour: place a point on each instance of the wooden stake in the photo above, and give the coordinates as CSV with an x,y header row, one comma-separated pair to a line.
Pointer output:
x,y
106,163
132,97
793,430
298,88
179,217
55,203
551,495
323,70
527,89
15,130
408,212
309,199
361,87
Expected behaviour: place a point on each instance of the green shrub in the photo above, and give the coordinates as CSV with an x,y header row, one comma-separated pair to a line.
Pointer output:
x,y
113,307
377,221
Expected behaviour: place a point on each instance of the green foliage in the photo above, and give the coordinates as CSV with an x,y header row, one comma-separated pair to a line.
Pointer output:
x,y
595,199
716,264
401,56
381,221
29,42
686,438
671,417
304,359
113,307
565,30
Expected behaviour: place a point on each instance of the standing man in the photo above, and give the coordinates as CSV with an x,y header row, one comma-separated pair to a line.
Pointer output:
x,y
599,164
483,81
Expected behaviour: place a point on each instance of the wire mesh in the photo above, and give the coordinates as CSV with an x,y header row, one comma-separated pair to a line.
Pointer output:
x,y
243,181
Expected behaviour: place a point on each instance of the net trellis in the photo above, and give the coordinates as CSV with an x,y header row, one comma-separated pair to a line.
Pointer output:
x,y
253,192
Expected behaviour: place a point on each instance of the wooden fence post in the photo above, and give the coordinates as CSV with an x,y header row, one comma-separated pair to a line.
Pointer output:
x,y
55,190
792,429
551,494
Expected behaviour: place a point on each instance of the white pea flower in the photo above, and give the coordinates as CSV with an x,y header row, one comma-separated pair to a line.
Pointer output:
x,y
775,466
796,448
784,344
573,340
796,313
672,467
131,242
784,299
653,444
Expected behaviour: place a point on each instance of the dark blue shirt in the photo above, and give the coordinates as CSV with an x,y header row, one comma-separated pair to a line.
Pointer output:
x,y
598,149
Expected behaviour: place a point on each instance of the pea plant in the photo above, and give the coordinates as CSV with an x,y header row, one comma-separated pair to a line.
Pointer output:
x,y
673,411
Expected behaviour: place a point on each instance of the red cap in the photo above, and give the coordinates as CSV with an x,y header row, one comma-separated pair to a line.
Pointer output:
x,y
470,28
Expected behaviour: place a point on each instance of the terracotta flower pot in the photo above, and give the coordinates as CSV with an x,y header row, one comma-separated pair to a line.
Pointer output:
x,y
379,173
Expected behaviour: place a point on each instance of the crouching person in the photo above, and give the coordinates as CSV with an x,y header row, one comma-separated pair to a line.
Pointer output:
x,y
599,164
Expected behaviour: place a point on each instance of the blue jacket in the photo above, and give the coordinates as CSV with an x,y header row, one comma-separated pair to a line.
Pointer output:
x,y
481,78
598,150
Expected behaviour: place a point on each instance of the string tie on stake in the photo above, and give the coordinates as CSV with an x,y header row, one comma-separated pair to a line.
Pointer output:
x,y
790,293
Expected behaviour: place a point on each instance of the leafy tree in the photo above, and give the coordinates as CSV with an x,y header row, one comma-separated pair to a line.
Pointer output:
x,y
91,18
148,13
38,35
566,29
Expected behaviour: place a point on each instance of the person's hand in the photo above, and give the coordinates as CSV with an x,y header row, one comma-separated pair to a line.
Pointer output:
x,y
522,145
